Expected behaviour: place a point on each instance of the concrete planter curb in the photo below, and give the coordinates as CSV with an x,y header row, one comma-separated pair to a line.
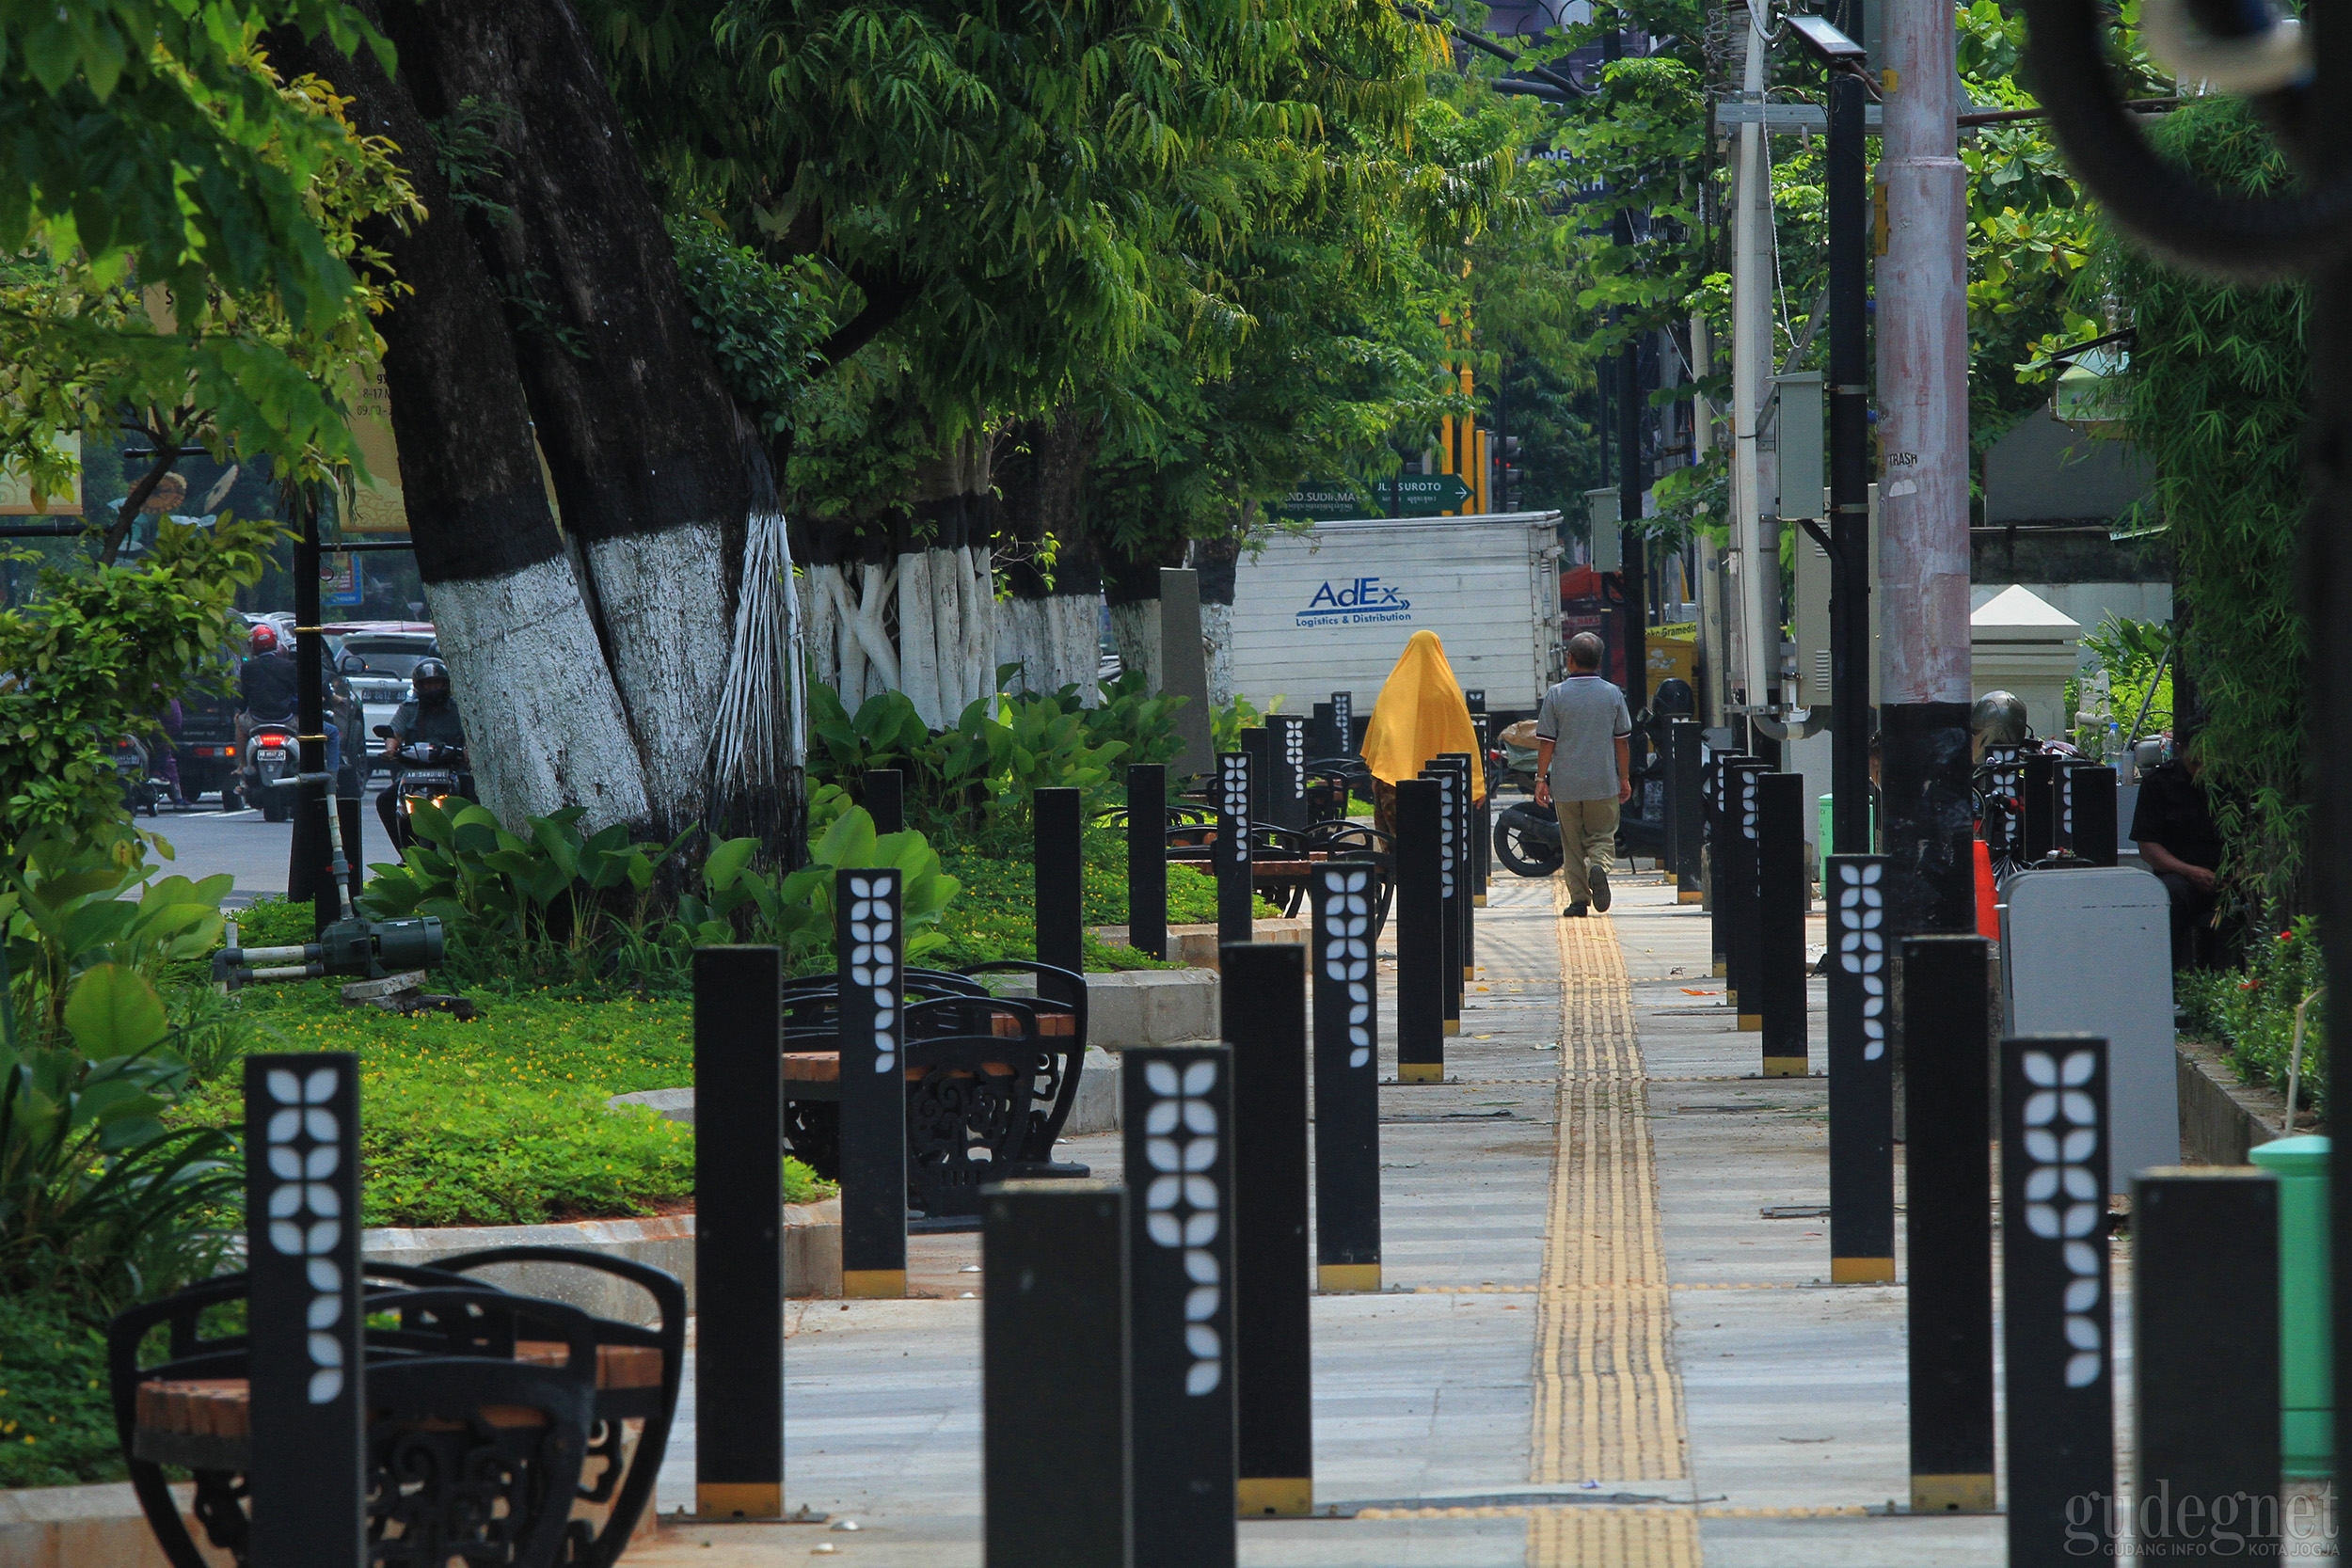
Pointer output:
x,y
2222,1119
87,1526
1195,946
812,1255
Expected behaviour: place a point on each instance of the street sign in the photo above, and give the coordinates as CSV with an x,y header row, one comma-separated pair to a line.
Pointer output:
x,y
1405,496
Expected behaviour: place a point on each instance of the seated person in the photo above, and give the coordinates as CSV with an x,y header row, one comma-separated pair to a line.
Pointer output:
x,y
2174,828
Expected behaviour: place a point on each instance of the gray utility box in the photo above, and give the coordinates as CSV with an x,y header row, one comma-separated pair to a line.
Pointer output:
x,y
2089,951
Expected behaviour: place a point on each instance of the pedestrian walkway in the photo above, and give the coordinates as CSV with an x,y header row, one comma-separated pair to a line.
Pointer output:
x,y
1605,1337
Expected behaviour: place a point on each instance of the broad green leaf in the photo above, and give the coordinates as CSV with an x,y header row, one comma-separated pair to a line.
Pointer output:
x,y
113,1012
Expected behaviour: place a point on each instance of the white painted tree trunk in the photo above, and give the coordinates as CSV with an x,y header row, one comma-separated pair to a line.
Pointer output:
x,y
949,593
918,637
819,622
1136,627
542,715
1216,646
663,599
980,624
1057,642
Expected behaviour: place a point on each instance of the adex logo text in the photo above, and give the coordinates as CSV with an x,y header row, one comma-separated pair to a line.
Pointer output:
x,y
1356,601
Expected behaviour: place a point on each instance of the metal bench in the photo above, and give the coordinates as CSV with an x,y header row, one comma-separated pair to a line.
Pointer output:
x,y
991,1080
498,1426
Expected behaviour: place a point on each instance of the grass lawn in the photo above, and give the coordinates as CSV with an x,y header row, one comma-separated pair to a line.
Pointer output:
x,y
500,1121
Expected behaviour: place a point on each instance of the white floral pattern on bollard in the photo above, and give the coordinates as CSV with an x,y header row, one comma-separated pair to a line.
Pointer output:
x,y
2063,1201
306,1150
1185,1209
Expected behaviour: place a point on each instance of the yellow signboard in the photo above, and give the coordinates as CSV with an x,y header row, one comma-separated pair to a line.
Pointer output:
x,y
1671,655
376,506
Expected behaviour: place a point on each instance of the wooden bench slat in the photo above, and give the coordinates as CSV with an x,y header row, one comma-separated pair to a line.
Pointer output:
x,y
222,1406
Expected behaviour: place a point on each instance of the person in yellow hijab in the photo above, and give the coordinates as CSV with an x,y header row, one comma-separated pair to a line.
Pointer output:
x,y
1419,716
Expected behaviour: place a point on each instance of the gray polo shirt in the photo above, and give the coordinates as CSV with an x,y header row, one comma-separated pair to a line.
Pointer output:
x,y
1583,716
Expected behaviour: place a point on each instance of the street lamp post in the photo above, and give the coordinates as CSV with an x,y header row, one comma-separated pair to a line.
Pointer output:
x,y
1847,542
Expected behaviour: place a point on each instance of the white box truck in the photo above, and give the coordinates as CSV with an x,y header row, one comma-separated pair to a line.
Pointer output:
x,y
1329,610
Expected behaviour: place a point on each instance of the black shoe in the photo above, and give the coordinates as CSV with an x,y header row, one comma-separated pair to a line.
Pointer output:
x,y
1574,912
1599,875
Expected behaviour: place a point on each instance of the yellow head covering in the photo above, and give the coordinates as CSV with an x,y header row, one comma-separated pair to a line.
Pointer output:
x,y
1419,716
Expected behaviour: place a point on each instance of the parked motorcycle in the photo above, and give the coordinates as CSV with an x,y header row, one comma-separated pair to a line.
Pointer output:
x,y
1527,836
432,773
272,752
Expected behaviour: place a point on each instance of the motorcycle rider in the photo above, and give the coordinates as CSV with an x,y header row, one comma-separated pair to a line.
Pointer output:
x,y
428,717
266,684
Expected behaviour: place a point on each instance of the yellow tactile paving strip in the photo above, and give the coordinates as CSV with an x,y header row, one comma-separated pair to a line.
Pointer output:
x,y
1595,1537
1607,1399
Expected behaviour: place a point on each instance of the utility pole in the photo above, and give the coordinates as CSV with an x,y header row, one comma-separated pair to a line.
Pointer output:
x,y
1923,489
1751,357
1713,647
1848,544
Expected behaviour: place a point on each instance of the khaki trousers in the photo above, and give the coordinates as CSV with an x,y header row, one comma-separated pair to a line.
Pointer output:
x,y
1588,837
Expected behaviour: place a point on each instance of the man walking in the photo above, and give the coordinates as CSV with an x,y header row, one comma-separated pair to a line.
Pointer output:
x,y
1585,771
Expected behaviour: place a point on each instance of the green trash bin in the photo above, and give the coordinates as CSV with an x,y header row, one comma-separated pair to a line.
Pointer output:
x,y
2306,1368
1823,817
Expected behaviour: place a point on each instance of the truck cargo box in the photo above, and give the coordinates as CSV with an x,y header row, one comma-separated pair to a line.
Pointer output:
x,y
1331,610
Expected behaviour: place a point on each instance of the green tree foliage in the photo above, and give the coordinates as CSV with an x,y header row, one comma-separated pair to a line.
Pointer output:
x,y
2215,399
98,656
152,148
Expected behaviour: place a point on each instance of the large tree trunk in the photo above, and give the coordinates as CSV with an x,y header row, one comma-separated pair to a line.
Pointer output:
x,y
946,597
1214,559
1131,591
639,435
1051,626
542,716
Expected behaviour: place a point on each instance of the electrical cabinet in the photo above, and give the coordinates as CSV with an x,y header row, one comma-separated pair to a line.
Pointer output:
x,y
1810,621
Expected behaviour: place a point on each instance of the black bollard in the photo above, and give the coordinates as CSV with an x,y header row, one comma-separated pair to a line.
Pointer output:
x,y
1286,805
1482,827
1322,734
886,800
308,1464
1054,1362
1343,720
1449,890
1718,837
870,943
1236,889
1686,785
2092,832
1347,1080
2205,1362
2038,793
1258,742
1947,1175
1466,860
1060,895
1740,896
1861,1075
738,1232
2056,1337
1147,858
1177,1109
1420,931
1780,925
1263,1007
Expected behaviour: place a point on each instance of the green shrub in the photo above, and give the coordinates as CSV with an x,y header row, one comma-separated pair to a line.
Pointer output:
x,y
501,1119
2252,1012
994,917
56,1425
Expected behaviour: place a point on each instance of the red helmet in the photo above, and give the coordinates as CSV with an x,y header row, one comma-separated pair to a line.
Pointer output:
x,y
265,640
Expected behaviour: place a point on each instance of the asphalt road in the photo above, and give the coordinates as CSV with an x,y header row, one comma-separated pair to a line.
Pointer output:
x,y
209,841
